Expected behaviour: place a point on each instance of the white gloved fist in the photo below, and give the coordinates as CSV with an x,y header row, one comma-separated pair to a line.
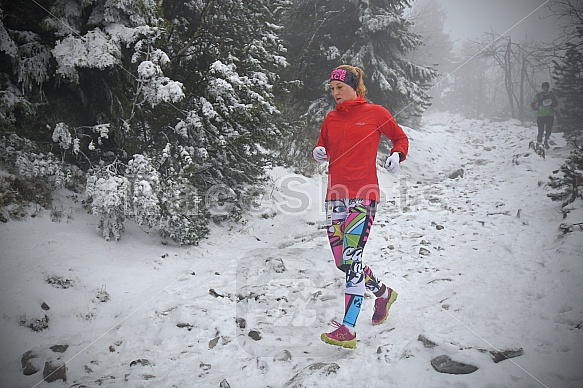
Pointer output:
x,y
319,154
392,163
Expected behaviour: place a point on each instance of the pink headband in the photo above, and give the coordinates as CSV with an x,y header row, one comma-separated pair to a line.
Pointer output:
x,y
342,75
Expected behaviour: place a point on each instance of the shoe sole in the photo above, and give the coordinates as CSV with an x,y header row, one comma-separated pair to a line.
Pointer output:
x,y
392,300
345,344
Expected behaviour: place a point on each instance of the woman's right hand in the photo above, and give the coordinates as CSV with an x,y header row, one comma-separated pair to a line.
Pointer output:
x,y
319,154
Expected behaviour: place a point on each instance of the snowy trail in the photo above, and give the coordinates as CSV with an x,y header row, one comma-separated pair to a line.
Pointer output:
x,y
469,280
476,261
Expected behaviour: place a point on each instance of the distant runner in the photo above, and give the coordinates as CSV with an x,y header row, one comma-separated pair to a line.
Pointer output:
x,y
544,103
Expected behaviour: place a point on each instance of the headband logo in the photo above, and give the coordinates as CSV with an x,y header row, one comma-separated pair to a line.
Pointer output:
x,y
338,74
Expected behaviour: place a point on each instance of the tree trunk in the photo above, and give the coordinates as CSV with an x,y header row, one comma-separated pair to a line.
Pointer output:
x,y
508,77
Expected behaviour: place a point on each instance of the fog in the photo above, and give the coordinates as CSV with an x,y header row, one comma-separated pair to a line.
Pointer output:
x,y
492,56
519,19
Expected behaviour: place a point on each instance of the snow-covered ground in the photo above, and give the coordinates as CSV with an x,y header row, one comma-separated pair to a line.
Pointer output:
x,y
478,261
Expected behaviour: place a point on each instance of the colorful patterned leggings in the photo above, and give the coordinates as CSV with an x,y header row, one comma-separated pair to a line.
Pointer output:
x,y
351,222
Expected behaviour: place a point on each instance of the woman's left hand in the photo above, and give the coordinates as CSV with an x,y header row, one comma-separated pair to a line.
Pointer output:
x,y
392,163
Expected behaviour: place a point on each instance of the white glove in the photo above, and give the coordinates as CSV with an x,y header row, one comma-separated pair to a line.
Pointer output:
x,y
319,154
392,163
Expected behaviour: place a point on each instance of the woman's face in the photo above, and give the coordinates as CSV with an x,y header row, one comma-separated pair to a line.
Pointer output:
x,y
342,92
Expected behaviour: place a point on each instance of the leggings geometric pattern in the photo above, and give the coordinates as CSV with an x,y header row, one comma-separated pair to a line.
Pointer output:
x,y
351,222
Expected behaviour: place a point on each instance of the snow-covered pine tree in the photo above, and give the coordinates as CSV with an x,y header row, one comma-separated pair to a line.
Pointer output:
x,y
226,53
111,67
373,35
85,64
107,195
568,77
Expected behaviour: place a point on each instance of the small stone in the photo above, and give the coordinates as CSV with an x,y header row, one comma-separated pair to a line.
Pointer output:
x,y
255,335
224,384
426,341
276,265
140,361
215,294
459,173
28,368
444,364
502,355
59,348
241,322
213,342
424,251
45,306
284,355
326,368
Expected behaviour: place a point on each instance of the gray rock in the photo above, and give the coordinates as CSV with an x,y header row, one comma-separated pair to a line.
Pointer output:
x,y
35,324
255,335
140,362
59,348
275,264
502,355
213,342
426,341
224,384
241,322
284,355
28,365
444,364
321,369
424,251
459,173
53,372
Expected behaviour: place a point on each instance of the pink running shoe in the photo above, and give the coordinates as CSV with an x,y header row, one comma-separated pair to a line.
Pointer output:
x,y
381,307
340,337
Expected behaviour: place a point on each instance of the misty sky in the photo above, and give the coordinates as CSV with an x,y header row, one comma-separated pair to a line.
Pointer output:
x,y
468,19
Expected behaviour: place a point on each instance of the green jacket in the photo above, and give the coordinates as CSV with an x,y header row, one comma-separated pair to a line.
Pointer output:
x,y
544,104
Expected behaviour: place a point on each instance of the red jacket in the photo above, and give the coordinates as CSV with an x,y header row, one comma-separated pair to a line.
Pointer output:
x,y
351,135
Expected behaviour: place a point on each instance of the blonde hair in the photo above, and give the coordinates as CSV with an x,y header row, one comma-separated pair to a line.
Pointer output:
x,y
360,89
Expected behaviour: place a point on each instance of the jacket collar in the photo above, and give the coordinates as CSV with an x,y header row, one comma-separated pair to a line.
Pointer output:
x,y
347,105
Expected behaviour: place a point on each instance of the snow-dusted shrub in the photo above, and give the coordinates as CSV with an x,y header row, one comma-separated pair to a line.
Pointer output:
x,y
54,172
62,135
106,194
12,101
568,184
34,324
94,50
154,87
33,176
144,186
183,218
17,194
22,155
138,191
